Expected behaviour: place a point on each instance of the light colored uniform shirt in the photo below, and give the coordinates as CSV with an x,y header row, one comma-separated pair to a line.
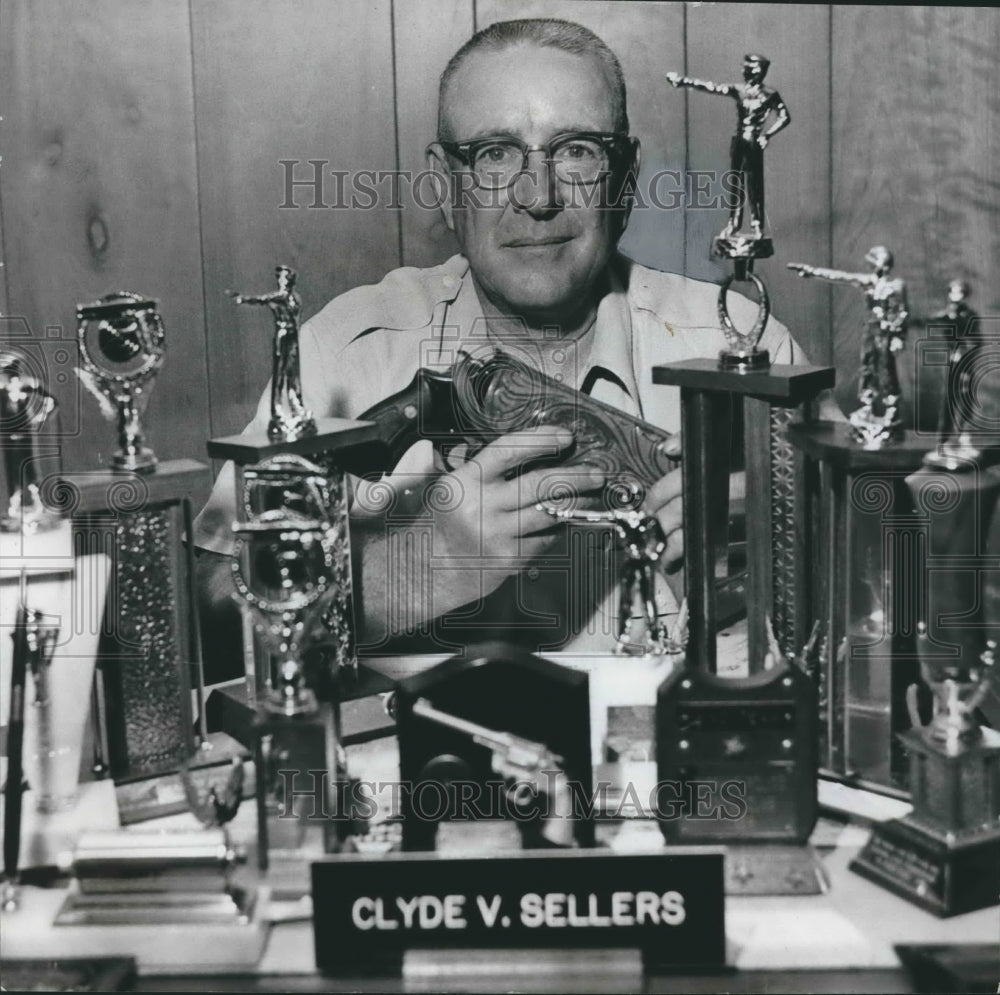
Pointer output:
x,y
368,343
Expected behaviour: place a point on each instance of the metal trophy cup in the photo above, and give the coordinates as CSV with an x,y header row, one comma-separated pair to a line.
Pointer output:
x,y
122,346
945,854
284,572
26,407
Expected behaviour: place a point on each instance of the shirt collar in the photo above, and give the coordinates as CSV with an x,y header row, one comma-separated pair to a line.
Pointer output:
x,y
611,352
610,364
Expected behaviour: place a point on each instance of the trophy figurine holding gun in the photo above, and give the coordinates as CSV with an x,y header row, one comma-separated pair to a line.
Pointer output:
x,y
644,543
958,447
289,417
877,421
757,107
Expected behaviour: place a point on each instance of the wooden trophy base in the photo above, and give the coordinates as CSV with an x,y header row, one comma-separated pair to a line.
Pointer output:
x,y
944,877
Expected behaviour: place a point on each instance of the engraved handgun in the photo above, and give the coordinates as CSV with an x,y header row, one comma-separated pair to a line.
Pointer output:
x,y
479,400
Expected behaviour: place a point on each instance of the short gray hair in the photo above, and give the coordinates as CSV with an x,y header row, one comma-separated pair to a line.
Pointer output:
x,y
544,32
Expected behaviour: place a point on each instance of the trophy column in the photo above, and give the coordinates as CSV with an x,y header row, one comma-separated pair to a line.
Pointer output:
x,y
706,393
292,573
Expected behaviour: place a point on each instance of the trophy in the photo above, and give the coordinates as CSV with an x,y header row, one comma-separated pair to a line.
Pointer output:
x,y
122,345
761,115
762,723
296,465
876,422
943,856
959,429
25,408
289,417
139,508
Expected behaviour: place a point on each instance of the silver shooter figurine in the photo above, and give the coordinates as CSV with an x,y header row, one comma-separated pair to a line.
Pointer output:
x,y
289,417
122,346
957,449
877,421
643,540
761,114
757,106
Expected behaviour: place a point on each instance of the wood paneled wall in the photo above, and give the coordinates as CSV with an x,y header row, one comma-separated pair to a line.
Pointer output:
x,y
143,145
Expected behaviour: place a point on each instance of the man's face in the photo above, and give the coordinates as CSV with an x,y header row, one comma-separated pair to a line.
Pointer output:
x,y
536,248
753,73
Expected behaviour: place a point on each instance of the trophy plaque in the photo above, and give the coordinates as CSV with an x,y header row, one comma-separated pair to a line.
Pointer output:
x,y
477,722
139,510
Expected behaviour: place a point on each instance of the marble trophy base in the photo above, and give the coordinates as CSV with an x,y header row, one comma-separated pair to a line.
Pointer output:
x,y
944,856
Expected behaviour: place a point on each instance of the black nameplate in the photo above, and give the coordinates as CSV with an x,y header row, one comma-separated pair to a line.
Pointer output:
x,y
671,906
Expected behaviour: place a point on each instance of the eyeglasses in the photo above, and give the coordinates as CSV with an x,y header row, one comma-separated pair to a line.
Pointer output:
x,y
578,157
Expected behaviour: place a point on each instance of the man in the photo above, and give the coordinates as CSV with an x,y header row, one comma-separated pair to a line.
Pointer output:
x,y
534,149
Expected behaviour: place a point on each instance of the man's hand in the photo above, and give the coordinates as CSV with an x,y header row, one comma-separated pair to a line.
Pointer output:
x,y
674,79
482,519
487,508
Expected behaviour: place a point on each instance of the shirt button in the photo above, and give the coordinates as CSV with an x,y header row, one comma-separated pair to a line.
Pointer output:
x,y
533,573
